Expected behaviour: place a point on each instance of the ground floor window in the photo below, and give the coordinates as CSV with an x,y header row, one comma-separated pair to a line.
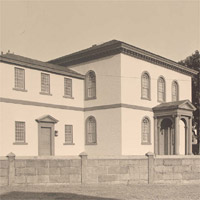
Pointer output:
x,y
146,131
19,132
68,134
91,134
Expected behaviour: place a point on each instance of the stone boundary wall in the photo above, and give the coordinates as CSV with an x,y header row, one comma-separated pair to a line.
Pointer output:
x,y
99,170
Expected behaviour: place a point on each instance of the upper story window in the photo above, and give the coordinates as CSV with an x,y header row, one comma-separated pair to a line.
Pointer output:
x,y
68,134
145,86
90,85
91,133
67,87
19,132
19,79
161,89
45,83
175,91
146,131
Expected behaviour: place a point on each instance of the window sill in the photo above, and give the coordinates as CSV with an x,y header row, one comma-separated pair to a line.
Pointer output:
x,y
93,98
146,144
91,144
143,98
20,143
161,101
68,143
68,97
43,93
21,90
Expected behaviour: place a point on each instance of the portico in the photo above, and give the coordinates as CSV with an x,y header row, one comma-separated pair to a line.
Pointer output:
x,y
169,136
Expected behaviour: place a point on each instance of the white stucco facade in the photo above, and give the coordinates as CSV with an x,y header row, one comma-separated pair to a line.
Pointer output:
x,y
117,107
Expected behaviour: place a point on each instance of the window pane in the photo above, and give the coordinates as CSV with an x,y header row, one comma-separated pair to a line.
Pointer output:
x,y
174,91
68,134
145,131
161,89
68,87
91,130
145,86
20,131
19,78
45,83
91,85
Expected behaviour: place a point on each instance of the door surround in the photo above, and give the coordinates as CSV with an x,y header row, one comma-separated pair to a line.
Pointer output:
x,y
176,111
47,121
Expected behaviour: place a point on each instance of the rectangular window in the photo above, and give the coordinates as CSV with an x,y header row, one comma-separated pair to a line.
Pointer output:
x,y
68,134
20,132
19,78
45,83
67,87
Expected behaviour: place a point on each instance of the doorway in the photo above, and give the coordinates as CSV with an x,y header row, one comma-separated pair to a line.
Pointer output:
x,y
166,139
45,142
46,136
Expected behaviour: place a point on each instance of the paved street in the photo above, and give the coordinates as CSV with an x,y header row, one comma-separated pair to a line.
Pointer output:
x,y
102,192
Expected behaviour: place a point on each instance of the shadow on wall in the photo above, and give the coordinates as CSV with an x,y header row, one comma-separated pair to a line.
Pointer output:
x,y
49,196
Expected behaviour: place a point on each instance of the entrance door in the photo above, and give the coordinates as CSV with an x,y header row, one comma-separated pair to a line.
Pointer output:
x,y
166,138
168,142
45,141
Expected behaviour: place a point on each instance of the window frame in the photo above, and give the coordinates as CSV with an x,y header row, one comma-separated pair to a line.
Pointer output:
x,y
22,142
149,86
149,131
164,92
87,83
65,88
22,89
86,130
72,135
177,94
44,92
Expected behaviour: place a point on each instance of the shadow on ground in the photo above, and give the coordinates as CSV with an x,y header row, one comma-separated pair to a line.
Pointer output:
x,y
48,196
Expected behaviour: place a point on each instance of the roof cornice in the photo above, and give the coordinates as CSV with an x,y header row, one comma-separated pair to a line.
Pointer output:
x,y
116,47
42,67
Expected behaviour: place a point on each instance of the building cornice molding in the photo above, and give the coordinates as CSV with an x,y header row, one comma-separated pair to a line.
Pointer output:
x,y
117,47
40,67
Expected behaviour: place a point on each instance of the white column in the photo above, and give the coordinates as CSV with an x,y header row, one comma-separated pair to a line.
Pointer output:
x,y
190,137
177,135
155,136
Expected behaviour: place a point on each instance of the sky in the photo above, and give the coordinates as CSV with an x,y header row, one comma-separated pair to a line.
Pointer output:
x,y
45,30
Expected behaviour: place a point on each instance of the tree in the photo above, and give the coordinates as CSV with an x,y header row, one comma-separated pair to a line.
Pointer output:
x,y
193,62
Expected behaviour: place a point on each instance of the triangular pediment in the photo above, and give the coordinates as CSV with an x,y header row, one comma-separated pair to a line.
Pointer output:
x,y
187,105
175,105
47,119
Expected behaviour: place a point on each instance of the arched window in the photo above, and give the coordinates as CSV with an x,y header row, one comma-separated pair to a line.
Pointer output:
x,y
146,131
90,85
91,133
161,89
145,86
175,91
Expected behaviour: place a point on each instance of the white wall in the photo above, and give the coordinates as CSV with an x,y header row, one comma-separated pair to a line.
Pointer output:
x,y
131,71
10,112
15,112
108,132
131,132
33,87
107,79
108,92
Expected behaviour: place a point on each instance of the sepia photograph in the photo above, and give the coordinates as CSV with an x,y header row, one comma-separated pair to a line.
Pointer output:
x,y
99,100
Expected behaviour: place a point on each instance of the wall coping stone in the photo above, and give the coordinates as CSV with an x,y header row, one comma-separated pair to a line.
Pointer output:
x,y
47,157
117,157
177,156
